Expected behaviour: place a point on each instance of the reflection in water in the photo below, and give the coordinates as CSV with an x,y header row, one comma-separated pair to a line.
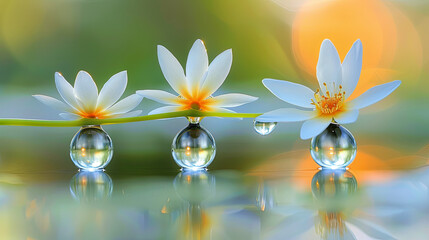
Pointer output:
x,y
194,147
332,191
194,187
264,200
91,186
91,148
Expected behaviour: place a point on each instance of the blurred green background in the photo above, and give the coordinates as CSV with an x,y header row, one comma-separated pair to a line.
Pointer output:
x,y
277,39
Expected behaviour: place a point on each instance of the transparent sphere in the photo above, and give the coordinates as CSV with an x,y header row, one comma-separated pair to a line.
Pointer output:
x,y
194,186
89,186
91,148
333,148
193,147
264,128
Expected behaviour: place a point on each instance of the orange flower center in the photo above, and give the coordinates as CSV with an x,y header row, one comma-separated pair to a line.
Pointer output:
x,y
95,114
195,103
328,104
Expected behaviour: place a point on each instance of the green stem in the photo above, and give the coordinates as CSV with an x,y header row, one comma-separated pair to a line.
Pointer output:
x,y
89,121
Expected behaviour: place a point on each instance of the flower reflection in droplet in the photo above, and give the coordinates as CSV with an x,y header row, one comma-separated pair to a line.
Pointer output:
x,y
334,148
193,148
91,148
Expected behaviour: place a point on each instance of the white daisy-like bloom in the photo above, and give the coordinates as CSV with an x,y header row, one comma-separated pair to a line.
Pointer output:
x,y
84,101
195,89
329,103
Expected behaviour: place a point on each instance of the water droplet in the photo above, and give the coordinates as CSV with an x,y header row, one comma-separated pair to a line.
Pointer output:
x,y
264,128
89,186
194,186
91,148
194,120
333,148
193,147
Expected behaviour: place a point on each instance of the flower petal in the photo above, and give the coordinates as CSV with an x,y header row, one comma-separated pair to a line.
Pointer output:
x,y
374,95
165,109
112,90
289,92
66,91
351,68
172,70
348,116
86,91
232,99
286,115
196,66
216,73
371,229
125,105
128,114
314,126
53,103
328,68
70,116
159,96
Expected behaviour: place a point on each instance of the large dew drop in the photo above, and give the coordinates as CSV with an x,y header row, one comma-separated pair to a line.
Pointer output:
x,y
193,147
334,148
91,148
264,128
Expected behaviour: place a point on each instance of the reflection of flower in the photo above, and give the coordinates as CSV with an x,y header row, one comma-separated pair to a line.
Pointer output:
x,y
201,81
337,82
83,100
335,211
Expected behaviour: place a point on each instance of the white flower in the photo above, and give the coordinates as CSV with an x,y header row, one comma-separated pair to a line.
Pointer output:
x,y
337,82
83,100
201,81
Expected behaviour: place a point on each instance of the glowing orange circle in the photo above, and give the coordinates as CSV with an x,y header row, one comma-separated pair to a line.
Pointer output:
x,y
344,21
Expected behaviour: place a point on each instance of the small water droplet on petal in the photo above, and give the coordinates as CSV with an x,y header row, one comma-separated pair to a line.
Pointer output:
x,y
91,148
334,148
193,148
264,128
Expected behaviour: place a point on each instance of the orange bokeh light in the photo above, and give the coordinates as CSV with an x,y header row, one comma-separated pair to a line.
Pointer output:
x,y
343,22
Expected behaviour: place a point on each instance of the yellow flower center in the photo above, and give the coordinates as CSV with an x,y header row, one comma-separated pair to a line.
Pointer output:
x,y
329,104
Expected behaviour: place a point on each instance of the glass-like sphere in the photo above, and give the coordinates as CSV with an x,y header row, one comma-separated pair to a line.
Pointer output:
x,y
194,186
333,148
264,128
193,147
89,186
91,148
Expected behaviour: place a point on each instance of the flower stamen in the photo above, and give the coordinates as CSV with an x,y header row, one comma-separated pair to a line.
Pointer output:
x,y
328,104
